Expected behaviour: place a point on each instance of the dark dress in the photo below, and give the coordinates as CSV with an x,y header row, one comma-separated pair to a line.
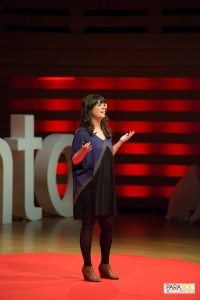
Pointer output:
x,y
93,178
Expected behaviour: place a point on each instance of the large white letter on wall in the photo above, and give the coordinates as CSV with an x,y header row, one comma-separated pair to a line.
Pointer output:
x,y
45,175
6,182
23,143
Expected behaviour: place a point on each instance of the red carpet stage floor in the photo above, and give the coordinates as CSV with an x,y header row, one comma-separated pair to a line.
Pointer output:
x,y
58,277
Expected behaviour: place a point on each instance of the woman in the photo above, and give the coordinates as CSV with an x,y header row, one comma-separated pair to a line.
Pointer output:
x,y
94,184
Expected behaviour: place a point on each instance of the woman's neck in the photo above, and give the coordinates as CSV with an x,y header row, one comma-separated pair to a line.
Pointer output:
x,y
97,129
97,124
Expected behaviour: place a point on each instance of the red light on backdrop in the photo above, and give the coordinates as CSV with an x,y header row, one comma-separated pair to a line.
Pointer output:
x,y
176,149
137,126
177,83
51,104
177,105
61,105
55,126
175,127
152,126
153,105
67,104
150,170
64,125
133,191
172,170
135,148
105,83
58,83
43,82
131,105
133,169
157,149
97,83
138,83
61,189
62,168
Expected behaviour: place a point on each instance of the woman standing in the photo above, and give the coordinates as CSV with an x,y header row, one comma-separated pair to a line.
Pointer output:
x,y
94,183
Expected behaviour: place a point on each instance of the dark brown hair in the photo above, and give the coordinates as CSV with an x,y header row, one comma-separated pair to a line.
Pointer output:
x,y
88,102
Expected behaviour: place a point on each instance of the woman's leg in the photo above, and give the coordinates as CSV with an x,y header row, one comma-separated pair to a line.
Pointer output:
x,y
106,226
86,239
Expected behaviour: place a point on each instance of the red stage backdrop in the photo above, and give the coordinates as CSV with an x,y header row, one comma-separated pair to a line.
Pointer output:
x,y
164,112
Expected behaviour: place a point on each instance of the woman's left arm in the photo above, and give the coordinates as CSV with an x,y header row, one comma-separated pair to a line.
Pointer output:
x,y
124,138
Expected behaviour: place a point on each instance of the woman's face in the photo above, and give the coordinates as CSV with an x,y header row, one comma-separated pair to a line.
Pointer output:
x,y
99,110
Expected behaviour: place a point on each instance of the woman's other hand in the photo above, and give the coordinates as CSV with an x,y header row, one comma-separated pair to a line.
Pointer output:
x,y
87,147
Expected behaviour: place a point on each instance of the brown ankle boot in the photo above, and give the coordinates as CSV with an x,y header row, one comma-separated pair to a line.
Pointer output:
x,y
89,275
106,272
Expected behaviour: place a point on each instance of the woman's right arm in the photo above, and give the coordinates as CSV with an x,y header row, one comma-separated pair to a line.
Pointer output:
x,y
80,154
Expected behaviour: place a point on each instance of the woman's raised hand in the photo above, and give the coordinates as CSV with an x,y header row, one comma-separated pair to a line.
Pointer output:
x,y
124,138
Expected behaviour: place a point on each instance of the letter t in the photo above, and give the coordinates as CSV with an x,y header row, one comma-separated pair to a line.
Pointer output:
x,y
23,143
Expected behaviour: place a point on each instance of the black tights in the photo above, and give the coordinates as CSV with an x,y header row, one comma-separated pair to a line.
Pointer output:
x,y
106,227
